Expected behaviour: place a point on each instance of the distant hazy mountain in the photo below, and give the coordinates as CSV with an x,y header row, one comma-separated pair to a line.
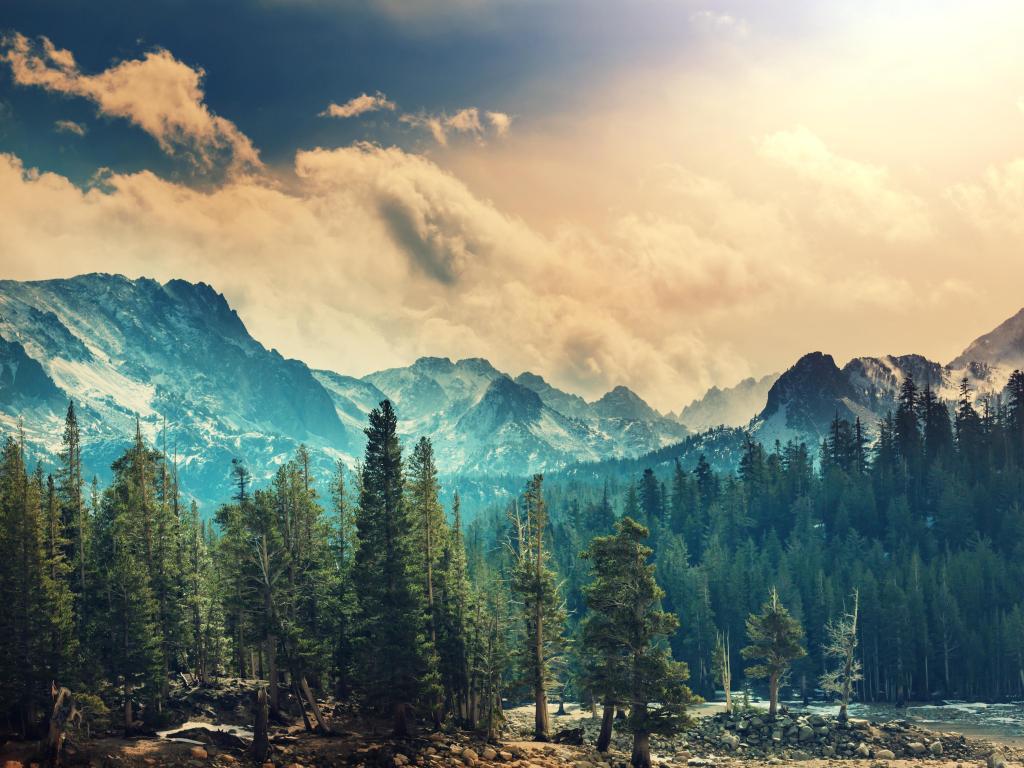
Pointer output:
x,y
1000,348
177,353
730,406
484,422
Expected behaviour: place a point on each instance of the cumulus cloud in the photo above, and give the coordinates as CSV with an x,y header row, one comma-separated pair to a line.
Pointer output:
x,y
500,121
859,196
359,105
399,258
158,93
466,121
69,126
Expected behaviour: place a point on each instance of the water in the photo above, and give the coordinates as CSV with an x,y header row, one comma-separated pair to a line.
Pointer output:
x,y
234,730
974,718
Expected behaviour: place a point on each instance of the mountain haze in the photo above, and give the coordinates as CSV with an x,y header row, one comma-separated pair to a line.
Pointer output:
x,y
177,354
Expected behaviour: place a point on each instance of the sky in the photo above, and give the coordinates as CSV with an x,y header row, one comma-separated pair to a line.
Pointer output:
x,y
666,194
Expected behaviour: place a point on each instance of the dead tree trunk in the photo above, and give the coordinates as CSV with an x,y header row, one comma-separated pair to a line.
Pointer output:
x,y
324,727
260,742
63,710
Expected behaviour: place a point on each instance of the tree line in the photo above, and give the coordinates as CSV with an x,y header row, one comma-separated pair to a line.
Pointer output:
x,y
902,559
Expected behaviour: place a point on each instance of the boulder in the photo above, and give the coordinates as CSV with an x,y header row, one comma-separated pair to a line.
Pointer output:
x,y
885,754
805,732
199,753
488,753
470,755
862,750
916,748
935,748
995,760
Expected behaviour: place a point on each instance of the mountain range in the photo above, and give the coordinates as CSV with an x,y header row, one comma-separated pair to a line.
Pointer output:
x,y
179,358
176,356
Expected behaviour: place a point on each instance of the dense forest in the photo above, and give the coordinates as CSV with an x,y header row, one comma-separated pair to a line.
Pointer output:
x,y
899,558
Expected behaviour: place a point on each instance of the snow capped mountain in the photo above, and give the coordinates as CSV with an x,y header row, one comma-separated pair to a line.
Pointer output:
x,y
731,406
805,399
179,358
177,354
1002,347
624,403
563,402
174,353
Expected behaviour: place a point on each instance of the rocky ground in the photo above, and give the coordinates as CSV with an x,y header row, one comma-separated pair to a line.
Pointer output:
x,y
744,740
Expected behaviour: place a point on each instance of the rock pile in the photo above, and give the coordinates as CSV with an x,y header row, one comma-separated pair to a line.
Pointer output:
x,y
806,735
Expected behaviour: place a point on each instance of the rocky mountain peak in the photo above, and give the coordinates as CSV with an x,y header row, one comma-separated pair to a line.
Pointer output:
x,y
1002,346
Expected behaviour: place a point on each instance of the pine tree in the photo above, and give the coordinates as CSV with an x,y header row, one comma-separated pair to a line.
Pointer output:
x,y
24,610
75,515
392,651
62,640
132,644
201,611
533,581
626,635
650,498
774,637
453,614
344,548
431,534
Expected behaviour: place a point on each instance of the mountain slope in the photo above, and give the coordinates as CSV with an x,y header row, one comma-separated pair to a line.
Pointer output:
x,y
730,407
177,354
174,353
1003,346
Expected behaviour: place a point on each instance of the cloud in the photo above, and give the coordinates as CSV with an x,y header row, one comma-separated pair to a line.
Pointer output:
x,y
359,105
995,204
720,22
500,121
158,93
855,195
466,121
69,126
398,258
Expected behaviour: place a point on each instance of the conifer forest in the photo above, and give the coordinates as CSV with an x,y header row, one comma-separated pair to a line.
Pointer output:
x,y
883,572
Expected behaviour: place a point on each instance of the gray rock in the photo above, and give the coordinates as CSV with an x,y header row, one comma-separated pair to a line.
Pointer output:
x,y
935,748
916,748
885,754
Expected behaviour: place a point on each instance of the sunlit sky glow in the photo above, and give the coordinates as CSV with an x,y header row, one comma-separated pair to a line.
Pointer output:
x,y
662,194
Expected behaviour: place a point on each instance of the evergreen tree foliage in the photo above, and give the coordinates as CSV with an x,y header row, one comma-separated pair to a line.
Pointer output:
x,y
392,650
774,637
625,638
534,584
